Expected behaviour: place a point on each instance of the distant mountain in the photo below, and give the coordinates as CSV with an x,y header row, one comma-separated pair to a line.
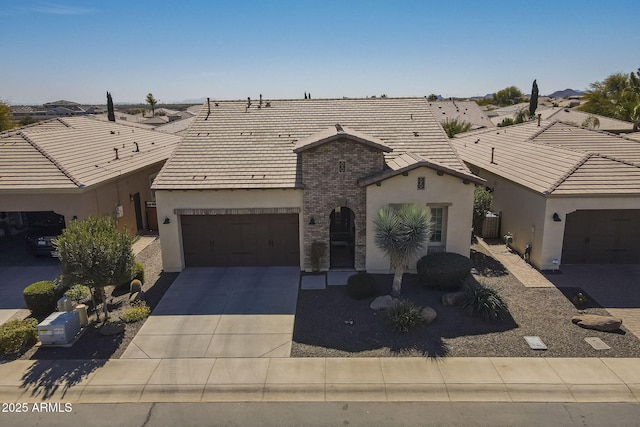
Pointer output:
x,y
566,93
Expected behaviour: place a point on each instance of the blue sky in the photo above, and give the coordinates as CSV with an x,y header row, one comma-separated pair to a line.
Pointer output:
x,y
77,50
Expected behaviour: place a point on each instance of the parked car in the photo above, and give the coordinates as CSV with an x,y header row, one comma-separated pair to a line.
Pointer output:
x,y
42,233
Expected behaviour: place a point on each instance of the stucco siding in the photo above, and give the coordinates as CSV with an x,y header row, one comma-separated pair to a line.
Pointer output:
x,y
169,201
445,190
99,201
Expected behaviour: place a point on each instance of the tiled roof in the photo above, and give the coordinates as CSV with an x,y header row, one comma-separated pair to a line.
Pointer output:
x,y
177,127
336,132
555,158
573,116
76,152
467,111
239,147
409,161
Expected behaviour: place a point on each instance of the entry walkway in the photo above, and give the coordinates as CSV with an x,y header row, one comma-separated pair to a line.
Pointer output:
x,y
222,312
479,379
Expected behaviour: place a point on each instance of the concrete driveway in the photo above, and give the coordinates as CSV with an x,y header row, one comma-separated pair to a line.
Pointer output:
x,y
222,312
615,287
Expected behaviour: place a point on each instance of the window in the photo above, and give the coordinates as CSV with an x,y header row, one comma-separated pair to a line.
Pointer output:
x,y
438,225
421,183
342,166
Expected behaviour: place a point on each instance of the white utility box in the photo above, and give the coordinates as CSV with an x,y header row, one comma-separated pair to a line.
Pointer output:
x,y
59,328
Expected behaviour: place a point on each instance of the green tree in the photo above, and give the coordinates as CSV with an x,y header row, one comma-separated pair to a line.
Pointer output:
x,y
508,96
110,113
482,199
6,122
533,102
617,96
152,102
432,97
401,233
455,126
591,122
94,253
28,120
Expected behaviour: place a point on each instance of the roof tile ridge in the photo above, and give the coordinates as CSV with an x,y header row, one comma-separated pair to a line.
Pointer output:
x,y
64,122
570,172
51,159
615,159
541,131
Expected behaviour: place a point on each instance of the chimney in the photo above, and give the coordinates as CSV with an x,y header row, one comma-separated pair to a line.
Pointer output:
x,y
208,107
539,118
116,150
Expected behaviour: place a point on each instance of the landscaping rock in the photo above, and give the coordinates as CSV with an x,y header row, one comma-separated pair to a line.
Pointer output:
x,y
383,303
453,299
428,315
112,328
136,296
597,322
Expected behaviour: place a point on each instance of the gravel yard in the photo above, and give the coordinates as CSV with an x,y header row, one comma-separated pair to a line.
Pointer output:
x,y
92,345
331,324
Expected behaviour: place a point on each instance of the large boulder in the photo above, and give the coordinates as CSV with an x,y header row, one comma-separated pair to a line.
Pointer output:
x,y
597,322
453,299
428,315
383,303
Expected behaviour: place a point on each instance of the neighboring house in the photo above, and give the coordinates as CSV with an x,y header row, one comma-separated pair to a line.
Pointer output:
x,y
257,183
50,110
576,117
468,111
510,112
79,166
571,193
177,127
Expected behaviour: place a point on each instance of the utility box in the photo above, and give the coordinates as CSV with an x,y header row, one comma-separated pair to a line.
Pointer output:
x,y
59,328
491,226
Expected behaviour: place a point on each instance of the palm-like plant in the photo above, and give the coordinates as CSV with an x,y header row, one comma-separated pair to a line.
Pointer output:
x,y
401,233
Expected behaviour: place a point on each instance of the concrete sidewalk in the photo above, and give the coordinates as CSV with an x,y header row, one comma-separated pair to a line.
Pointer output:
x,y
479,379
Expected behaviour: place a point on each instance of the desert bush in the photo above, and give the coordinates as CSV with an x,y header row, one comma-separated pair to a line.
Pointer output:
x,y
361,285
405,315
41,297
138,311
78,293
137,272
15,334
443,270
482,301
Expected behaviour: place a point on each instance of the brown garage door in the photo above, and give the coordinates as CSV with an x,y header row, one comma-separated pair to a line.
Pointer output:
x,y
240,240
602,237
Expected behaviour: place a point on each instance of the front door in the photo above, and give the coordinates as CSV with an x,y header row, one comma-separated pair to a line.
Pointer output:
x,y
342,236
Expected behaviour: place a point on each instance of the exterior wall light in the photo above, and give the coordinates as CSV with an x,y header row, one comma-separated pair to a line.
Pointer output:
x,y
556,217
312,221
166,220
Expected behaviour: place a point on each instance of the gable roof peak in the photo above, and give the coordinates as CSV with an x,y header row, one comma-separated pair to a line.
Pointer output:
x,y
337,132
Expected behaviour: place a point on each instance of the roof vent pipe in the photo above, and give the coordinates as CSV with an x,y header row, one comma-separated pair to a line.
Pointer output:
x,y
539,119
248,101
137,147
260,104
116,150
208,107
492,152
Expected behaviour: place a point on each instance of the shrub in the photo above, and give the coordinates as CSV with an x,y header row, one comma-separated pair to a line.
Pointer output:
x,y
138,311
41,297
15,334
78,293
482,301
443,270
137,272
361,285
404,315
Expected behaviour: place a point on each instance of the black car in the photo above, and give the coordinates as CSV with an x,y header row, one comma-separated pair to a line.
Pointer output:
x,y
41,234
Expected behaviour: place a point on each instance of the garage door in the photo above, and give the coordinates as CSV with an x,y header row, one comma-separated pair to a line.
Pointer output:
x,y
240,240
602,237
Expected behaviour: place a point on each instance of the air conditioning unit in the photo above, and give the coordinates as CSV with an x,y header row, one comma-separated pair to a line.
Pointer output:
x,y
59,328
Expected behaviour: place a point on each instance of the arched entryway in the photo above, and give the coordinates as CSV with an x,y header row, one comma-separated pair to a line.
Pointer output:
x,y
342,237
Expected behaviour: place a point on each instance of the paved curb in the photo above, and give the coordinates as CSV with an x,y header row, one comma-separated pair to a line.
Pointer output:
x,y
482,379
